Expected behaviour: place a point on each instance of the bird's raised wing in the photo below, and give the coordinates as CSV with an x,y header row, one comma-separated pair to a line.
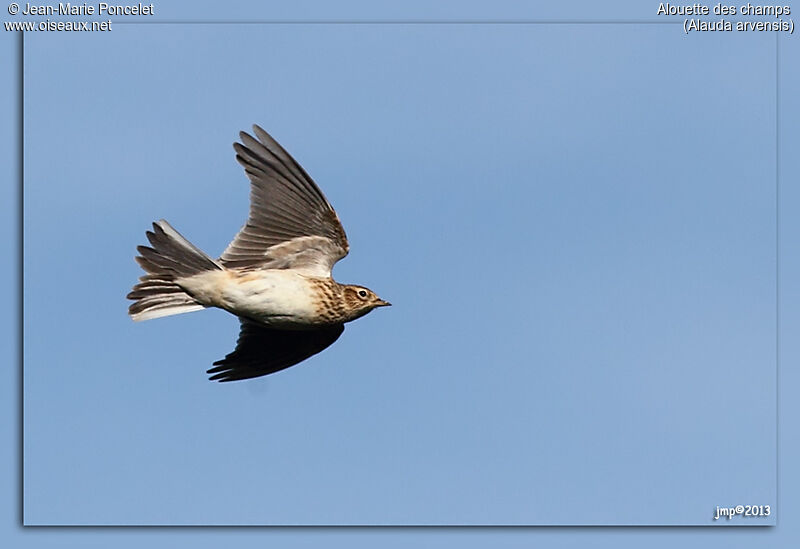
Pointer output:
x,y
291,224
261,350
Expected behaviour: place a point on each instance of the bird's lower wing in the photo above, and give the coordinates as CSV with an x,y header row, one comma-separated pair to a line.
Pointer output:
x,y
261,350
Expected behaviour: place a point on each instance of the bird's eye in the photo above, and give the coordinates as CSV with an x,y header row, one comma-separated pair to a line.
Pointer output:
x,y
362,293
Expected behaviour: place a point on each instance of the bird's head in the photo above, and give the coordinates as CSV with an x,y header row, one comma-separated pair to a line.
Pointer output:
x,y
359,301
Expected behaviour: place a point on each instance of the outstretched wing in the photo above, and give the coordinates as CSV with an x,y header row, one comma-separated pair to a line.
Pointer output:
x,y
291,224
261,350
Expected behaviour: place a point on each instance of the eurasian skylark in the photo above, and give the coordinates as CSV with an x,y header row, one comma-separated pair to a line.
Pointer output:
x,y
275,275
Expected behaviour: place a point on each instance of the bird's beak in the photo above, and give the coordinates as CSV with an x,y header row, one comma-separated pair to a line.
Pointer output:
x,y
382,303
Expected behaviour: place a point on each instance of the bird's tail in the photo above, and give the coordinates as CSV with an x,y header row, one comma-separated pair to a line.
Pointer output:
x,y
171,257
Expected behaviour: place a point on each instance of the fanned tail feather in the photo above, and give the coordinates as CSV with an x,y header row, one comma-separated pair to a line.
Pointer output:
x,y
171,257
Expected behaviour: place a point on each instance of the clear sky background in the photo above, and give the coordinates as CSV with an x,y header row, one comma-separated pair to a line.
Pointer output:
x,y
576,224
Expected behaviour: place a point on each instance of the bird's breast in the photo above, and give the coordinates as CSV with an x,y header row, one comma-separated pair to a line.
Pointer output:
x,y
275,297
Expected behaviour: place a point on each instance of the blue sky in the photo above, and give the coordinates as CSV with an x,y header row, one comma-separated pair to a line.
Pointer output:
x,y
576,225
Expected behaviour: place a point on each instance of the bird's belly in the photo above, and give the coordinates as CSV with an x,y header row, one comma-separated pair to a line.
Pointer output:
x,y
273,297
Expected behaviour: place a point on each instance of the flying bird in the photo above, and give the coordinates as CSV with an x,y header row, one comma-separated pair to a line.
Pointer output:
x,y
275,275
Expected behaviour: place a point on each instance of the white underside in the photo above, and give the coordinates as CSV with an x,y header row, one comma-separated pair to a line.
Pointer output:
x,y
274,297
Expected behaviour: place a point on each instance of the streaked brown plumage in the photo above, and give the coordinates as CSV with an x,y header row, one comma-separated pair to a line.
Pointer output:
x,y
275,275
